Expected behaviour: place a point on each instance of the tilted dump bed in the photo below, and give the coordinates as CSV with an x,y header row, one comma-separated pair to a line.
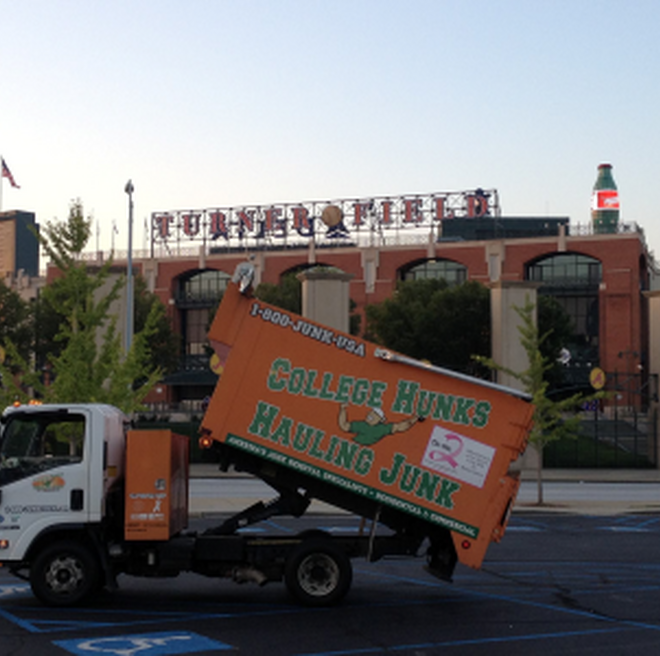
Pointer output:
x,y
385,432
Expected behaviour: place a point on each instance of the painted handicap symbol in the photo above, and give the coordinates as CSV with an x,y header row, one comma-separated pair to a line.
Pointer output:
x,y
150,644
126,646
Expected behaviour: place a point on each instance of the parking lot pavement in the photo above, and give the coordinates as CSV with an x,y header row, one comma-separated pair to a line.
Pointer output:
x,y
558,584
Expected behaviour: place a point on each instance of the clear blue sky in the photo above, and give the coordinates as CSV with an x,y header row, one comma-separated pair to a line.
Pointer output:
x,y
218,103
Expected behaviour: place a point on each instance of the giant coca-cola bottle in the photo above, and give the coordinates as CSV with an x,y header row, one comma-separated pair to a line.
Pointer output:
x,y
605,201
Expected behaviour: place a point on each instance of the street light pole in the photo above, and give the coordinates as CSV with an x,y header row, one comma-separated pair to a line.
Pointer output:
x,y
129,273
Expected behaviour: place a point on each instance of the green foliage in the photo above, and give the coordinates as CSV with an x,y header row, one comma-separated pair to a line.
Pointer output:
x,y
429,320
287,295
16,377
89,365
15,320
552,420
164,343
354,319
556,324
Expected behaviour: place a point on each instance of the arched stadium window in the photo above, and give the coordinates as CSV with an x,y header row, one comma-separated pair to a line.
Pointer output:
x,y
573,280
197,294
566,270
453,272
204,286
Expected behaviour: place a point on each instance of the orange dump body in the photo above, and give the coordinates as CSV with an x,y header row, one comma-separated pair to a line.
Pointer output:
x,y
156,493
342,410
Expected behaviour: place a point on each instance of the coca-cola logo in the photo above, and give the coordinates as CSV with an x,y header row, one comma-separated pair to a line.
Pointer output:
x,y
605,199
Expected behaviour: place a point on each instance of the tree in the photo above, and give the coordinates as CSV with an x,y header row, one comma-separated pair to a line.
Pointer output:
x,y
429,320
15,323
90,366
287,295
552,420
557,325
164,343
49,316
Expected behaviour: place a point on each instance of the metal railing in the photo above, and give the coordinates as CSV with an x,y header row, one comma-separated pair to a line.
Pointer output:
x,y
359,239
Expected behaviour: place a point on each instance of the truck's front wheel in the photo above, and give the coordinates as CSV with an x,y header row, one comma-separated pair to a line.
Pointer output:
x,y
64,574
317,573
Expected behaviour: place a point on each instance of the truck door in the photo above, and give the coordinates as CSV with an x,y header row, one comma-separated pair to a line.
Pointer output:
x,y
44,473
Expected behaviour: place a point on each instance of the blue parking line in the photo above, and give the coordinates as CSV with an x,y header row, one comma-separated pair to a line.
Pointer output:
x,y
534,604
524,529
649,522
141,617
24,624
463,643
625,529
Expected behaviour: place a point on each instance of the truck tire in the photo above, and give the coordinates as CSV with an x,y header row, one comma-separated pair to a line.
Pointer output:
x,y
317,573
64,574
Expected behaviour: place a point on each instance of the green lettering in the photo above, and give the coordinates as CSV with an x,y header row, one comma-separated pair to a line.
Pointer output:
x,y
344,388
389,477
376,397
296,380
446,490
425,403
409,478
280,364
461,414
283,431
443,407
481,414
364,461
405,397
314,451
309,385
346,454
334,440
302,438
360,391
325,394
427,485
263,419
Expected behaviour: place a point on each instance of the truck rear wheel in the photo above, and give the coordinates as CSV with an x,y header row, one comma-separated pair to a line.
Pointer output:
x,y
317,573
64,574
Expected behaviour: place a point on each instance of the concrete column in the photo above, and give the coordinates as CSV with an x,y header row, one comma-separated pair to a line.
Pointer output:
x,y
370,260
495,252
259,261
561,239
325,296
507,349
150,273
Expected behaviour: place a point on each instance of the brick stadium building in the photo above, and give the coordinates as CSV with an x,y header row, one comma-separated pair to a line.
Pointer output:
x,y
600,279
604,277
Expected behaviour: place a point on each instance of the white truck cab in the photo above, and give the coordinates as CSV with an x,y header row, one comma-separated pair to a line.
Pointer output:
x,y
57,463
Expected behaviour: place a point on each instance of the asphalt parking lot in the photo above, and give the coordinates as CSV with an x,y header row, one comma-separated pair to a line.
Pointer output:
x,y
558,583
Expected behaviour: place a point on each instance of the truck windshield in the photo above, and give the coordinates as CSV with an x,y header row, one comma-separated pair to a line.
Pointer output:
x,y
32,443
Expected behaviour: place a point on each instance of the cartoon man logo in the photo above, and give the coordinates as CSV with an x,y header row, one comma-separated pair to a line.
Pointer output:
x,y
373,427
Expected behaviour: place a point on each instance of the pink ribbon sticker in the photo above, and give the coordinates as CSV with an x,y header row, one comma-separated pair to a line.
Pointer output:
x,y
451,452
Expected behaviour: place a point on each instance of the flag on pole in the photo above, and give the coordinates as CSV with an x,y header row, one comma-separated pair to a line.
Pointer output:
x,y
6,173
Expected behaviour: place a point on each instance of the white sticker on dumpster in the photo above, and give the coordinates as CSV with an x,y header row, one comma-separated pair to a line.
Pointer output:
x,y
458,456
